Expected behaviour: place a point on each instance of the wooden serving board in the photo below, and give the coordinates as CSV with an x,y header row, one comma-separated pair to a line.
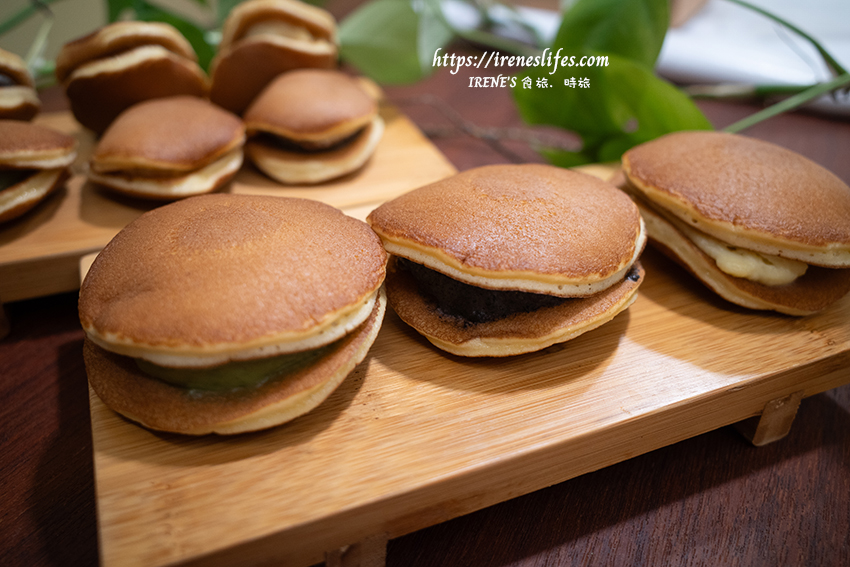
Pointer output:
x,y
40,252
415,436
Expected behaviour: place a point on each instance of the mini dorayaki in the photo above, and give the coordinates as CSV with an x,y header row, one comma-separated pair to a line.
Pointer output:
x,y
762,226
125,63
312,125
262,39
169,148
34,161
18,98
507,259
228,313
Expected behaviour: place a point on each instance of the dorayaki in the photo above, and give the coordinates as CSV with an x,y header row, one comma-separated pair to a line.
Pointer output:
x,y
262,39
169,148
34,161
229,313
18,97
312,125
507,259
762,226
125,63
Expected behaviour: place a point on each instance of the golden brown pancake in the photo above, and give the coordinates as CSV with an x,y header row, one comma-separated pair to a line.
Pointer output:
x,y
734,210
18,97
506,259
224,280
169,148
312,125
125,63
34,161
262,39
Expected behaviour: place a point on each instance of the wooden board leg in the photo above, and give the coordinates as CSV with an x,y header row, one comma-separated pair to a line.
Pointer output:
x,y
371,552
5,325
775,421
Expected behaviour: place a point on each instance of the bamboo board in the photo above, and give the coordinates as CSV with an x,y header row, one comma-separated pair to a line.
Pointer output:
x,y
415,436
40,252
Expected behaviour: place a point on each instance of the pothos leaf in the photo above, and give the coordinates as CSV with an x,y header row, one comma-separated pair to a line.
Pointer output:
x,y
611,107
633,29
391,42
616,101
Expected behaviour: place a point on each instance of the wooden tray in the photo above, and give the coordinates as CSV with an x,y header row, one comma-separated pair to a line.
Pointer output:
x,y
40,252
415,437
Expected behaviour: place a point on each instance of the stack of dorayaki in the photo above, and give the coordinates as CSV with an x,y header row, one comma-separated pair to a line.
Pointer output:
x,y
230,313
763,227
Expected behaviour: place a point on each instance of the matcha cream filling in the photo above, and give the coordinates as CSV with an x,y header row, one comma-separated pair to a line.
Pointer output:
x,y
237,374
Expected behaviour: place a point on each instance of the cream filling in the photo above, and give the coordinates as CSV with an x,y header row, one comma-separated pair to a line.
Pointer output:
x,y
200,181
50,159
833,255
765,269
31,189
18,95
183,357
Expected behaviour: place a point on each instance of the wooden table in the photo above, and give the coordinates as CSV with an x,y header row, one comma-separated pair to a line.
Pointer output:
x,y
710,500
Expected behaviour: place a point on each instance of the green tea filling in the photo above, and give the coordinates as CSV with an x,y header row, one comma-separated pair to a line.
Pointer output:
x,y
237,374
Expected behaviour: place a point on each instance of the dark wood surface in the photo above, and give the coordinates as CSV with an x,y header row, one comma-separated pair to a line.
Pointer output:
x,y
710,500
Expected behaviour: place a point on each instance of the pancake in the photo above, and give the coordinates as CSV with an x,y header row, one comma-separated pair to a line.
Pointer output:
x,y
169,148
125,63
34,161
262,39
507,259
190,298
762,226
18,97
312,125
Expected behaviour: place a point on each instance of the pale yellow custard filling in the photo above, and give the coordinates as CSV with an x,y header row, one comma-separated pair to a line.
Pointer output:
x,y
765,269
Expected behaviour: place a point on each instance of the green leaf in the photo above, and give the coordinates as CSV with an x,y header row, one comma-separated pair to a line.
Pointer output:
x,y
432,34
391,42
223,8
634,29
624,104
115,8
195,35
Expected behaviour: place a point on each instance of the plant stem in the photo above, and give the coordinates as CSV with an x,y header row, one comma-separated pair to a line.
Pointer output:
x,y
732,90
23,14
483,37
834,66
790,103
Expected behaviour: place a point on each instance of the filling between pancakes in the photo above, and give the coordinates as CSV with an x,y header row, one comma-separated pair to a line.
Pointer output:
x,y
306,146
472,303
237,374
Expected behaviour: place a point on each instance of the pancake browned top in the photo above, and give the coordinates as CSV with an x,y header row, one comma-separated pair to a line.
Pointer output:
x,y
312,105
23,144
733,186
532,220
116,38
227,269
170,135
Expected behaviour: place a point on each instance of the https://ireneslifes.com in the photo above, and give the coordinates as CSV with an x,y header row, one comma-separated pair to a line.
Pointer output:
x,y
551,60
